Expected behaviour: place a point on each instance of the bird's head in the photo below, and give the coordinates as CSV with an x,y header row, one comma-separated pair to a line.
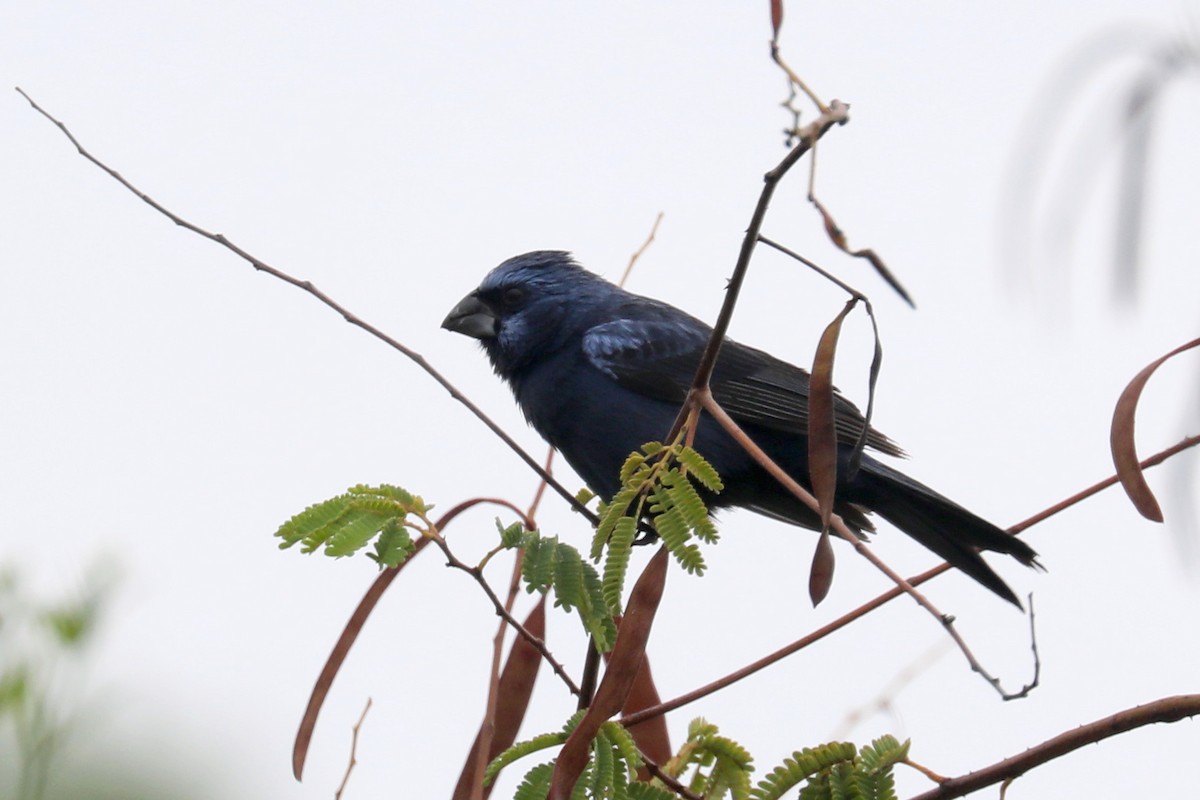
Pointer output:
x,y
529,307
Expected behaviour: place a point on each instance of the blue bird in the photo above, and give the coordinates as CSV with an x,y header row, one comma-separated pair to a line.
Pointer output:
x,y
598,371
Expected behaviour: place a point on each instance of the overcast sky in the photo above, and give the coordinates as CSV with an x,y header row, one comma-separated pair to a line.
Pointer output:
x,y
165,407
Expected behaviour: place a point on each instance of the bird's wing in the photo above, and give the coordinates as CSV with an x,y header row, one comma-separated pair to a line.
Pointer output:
x,y
658,358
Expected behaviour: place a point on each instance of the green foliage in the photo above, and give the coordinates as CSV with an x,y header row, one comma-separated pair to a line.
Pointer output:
x,y
345,524
802,765
522,749
551,565
656,486
536,784
512,536
393,546
836,771
611,773
623,741
40,648
720,766
649,791
713,767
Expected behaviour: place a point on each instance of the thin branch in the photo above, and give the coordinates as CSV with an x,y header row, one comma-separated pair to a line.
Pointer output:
x,y
539,644
880,600
633,259
353,751
350,317
829,276
669,780
795,81
838,113
1168,709
487,730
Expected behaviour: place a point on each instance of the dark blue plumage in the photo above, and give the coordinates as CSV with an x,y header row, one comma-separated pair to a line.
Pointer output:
x,y
598,371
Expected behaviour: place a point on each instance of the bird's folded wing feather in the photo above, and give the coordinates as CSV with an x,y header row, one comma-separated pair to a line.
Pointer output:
x,y
658,358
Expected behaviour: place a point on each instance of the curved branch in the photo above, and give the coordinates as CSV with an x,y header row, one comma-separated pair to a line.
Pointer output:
x,y
1168,709
347,315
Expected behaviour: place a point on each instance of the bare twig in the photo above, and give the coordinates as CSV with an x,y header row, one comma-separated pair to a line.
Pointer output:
x,y
353,751
633,259
477,573
350,317
794,80
669,780
880,600
838,113
1168,709
824,273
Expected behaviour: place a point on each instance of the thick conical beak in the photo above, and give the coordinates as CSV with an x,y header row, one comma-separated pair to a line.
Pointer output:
x,y
471,317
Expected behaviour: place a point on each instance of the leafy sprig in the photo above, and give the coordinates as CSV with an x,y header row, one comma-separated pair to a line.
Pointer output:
x,y
347,523
658,484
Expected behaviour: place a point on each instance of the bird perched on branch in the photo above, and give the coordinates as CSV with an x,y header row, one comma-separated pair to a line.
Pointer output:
x,y
598,371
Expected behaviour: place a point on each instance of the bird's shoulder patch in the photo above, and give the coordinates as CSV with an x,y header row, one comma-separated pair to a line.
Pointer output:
x,y
616,346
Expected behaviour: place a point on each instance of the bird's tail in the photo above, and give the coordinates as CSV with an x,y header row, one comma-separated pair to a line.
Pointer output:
x,y
940,524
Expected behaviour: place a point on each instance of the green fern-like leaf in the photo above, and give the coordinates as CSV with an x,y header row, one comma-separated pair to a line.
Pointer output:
x,y
596,616
573,722
727,777
522,749
345,524
616,566
878,785
725,748
580,792
706,531
700,469
604,765
685,498
388,491
690,558
314,518
358,527
647,791
633,466
801,765
611,513
621,739
537,568
394,545
876,763
700,728
536,783
379,506
568,578
884,753
512,536
669,522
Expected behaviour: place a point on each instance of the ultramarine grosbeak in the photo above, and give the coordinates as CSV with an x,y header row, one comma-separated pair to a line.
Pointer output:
x,y
598,371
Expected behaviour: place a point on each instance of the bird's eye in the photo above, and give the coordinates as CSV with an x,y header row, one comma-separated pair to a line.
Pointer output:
x,y
513,296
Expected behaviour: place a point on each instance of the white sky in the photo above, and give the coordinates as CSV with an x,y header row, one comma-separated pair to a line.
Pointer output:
x,y
165,405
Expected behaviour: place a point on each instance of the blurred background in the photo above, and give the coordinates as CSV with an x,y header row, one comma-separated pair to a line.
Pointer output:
x,y
165,407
